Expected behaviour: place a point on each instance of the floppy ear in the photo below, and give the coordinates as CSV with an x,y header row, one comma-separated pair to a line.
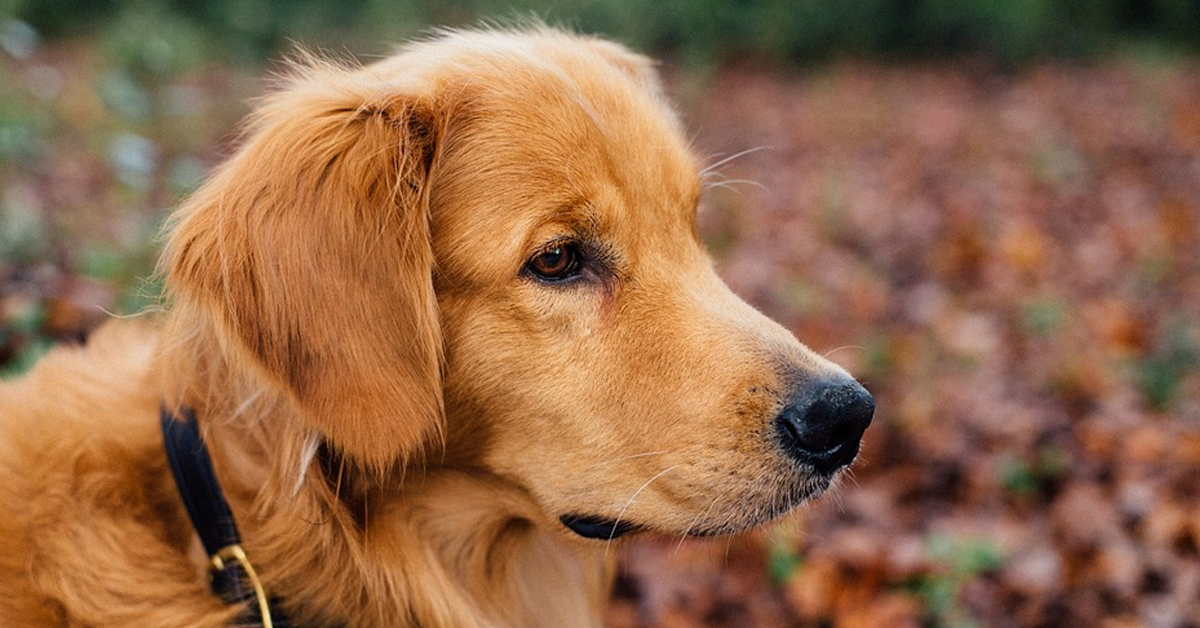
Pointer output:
x,y
310,250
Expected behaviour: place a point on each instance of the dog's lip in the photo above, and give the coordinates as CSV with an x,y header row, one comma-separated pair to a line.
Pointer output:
x,y
597,527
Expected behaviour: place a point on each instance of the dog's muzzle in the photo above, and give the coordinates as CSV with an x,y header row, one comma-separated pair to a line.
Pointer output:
x,y
821,427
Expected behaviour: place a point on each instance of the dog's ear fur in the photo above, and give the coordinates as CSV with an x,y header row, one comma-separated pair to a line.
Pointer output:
x,y
310,251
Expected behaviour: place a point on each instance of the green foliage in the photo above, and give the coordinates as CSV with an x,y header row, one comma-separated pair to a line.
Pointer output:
x,y
1024,478
24,360
22,229
965,558
783,558
22,121
1161,373
696,30
97,138
1043,317
1018,477
20,328
961,561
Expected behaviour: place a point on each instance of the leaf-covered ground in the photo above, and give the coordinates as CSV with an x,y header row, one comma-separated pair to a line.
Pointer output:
x,y
1010,262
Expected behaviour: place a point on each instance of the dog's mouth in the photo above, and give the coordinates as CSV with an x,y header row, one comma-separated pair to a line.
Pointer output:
x,y
739,514
594,527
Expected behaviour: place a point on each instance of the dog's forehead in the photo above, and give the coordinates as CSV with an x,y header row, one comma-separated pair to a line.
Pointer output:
x,y
537,133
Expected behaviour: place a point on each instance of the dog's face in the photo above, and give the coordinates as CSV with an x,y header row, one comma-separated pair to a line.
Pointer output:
x,y
538,284
593,355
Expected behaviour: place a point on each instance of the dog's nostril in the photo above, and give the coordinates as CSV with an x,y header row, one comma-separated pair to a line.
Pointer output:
x,y
824,422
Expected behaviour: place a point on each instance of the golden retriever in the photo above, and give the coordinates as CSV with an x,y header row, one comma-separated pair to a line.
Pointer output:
x,y
447,328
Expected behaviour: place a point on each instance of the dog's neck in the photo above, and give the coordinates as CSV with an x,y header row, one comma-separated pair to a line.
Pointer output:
x,y
428,546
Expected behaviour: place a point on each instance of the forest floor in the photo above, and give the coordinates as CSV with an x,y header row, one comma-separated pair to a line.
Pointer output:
x,y
1010,262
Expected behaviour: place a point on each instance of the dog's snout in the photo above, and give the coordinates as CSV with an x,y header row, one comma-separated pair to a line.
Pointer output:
x,y
824,421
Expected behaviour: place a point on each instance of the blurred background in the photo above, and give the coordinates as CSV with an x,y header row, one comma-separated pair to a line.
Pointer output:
x,y
988,211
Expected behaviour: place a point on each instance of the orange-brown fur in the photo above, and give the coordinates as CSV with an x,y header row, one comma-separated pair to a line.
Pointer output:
x,y
396,412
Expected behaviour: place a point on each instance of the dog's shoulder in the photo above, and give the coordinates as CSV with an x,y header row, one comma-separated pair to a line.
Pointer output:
x,y
78,399
71,381
84,483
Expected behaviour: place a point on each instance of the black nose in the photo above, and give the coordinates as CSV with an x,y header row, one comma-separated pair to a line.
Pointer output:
x,y
824,422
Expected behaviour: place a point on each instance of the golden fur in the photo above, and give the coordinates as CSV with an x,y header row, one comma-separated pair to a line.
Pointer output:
x,y
397,411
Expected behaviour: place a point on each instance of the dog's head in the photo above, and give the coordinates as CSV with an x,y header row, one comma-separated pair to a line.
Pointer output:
x,y
486,247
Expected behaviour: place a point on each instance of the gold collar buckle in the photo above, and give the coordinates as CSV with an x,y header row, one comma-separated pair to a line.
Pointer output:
x,y
235,554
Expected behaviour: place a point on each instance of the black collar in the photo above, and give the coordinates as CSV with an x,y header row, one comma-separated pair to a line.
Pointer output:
x,y
233,578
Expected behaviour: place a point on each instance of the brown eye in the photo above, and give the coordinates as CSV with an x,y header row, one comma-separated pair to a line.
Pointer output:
x,y
555,263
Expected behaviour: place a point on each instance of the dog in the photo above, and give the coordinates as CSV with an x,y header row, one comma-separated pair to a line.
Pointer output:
x,y
446,329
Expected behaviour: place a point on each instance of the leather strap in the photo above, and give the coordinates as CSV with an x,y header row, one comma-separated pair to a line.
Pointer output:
x,y
232,576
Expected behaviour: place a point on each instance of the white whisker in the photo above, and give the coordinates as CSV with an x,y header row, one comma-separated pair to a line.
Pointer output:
x,y
624,458
849,474
711,167
688,530
633,497
729,184
842,348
